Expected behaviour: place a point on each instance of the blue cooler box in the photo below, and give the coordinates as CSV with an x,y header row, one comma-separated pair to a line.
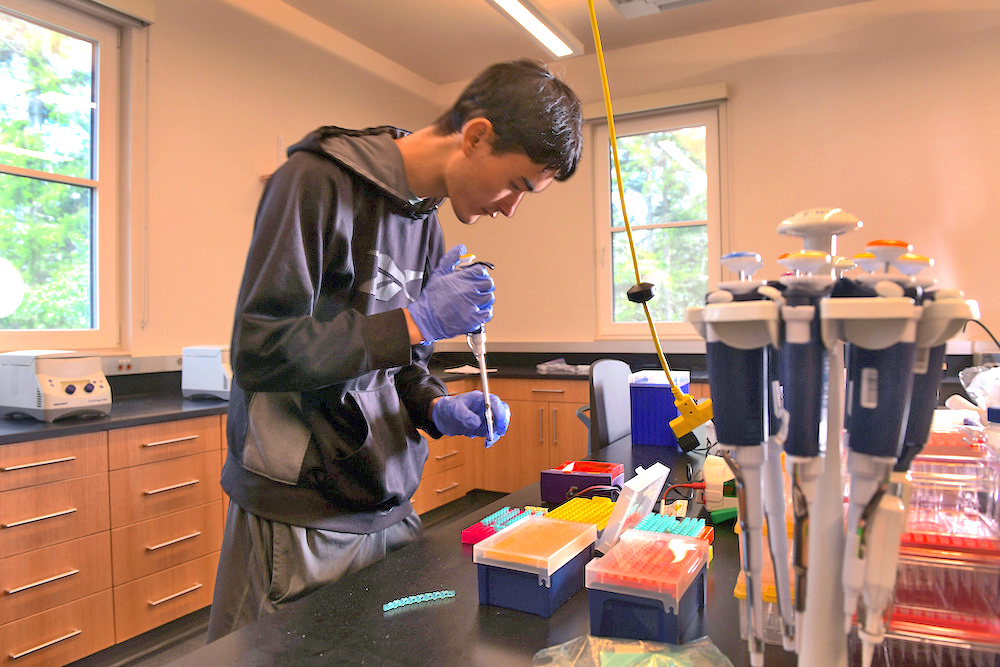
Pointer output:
x,y
653,406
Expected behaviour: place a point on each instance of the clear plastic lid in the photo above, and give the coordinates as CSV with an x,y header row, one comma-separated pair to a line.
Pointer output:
x,y
637,499
651,565
537,544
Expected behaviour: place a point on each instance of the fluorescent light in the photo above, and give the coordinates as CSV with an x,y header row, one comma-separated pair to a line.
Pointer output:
x,y
528,17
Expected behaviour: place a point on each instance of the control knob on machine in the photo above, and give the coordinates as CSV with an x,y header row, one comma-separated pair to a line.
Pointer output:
x,y
89,387
70,388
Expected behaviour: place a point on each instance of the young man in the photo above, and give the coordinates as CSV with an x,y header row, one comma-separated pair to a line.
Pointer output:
x,y
346,286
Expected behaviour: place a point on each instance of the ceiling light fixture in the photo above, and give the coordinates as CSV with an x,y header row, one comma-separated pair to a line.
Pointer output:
x,y
552,36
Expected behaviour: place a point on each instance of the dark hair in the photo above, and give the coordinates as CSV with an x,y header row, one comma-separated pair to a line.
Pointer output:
x,y
531,110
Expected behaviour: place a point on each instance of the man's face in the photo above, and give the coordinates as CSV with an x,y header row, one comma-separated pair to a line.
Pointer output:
x,y
481,182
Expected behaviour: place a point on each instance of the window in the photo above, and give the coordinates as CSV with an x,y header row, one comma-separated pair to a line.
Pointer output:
x,y
59,171
670,168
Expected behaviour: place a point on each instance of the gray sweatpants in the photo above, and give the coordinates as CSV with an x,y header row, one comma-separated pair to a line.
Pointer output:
x,y
265,564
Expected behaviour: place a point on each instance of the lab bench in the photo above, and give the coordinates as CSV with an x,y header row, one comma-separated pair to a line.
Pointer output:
x,y
344,622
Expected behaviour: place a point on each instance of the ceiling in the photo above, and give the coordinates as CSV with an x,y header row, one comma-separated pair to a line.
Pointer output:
x,y
447,41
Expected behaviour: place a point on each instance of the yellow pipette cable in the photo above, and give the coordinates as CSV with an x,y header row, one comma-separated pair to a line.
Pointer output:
x,y
690,414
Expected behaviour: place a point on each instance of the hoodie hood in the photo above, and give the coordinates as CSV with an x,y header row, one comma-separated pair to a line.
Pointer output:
x,y
364,152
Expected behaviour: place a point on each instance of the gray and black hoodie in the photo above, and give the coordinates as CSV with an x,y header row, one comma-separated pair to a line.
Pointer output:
x,y
328,393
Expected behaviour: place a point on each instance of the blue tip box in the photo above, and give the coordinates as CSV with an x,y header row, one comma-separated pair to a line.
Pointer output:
x,y
653,406
649,586
535,565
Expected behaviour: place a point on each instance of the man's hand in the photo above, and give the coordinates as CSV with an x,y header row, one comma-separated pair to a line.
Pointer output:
x,y
463,414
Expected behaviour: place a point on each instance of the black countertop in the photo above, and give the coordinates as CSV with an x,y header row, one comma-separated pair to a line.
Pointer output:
x,y
343,623
131,411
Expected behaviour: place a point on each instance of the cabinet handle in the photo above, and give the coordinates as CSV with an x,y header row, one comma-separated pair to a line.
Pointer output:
x,y
549,391
446,456
11,591
555,423
39,518
169,442
541,431
37,463
447,488
171,487
190,589
173,541
15,656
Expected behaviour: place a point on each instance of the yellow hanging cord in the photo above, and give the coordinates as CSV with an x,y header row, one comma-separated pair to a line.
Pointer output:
x,y
684,402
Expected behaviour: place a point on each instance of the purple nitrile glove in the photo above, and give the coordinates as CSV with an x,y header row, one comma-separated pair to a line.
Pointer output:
x,y
453,302
462,414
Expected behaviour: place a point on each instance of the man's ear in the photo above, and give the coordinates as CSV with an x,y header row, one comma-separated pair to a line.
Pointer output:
x,y
477,133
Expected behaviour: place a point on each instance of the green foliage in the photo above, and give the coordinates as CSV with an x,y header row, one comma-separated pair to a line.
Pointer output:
x,y
665,183
45,126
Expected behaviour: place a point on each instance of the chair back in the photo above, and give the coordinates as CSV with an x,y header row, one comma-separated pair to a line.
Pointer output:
x,y
610,402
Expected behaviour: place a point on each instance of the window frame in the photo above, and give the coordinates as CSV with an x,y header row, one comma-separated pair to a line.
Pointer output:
x,y
712,115
104,182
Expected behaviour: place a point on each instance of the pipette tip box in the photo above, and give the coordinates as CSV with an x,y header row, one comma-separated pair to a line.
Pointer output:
x,y
649,586
653,406
534,565
563,482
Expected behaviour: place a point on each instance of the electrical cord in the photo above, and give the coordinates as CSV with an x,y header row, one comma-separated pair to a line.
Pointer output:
x,y
985,328
596,487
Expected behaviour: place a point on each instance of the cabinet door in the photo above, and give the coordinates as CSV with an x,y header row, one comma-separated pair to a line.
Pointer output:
x,y
568,436
518,458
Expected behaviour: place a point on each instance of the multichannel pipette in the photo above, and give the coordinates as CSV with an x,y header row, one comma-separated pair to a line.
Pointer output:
x,y
477,343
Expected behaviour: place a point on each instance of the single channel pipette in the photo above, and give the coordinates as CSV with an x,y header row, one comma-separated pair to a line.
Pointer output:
x,y
477,343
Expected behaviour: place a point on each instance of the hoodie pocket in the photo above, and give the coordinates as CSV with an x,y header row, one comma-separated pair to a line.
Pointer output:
x,y
277,436
385,470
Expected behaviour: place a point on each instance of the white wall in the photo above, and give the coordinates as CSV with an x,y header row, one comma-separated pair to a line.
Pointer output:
x,y
887,108
223,87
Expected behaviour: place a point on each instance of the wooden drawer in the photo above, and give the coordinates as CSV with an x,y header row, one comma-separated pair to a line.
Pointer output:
x,y
167,440
38,580
53,460
157,599
39,516
150,546
565,391
155,489
60,635
447,453
441,488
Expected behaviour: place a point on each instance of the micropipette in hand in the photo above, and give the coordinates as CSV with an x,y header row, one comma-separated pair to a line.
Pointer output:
x,y
477,343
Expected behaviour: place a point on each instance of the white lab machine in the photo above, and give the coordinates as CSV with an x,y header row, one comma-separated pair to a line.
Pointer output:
x,y
53,384
206,372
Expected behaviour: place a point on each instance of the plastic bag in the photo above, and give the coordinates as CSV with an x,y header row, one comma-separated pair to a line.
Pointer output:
x,y
588,651
982,385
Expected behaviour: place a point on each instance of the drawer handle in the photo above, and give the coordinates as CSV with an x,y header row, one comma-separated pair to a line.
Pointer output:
x,y
446,456
176,595
549,391
447,488
15,656
555,433
541,428
171,487
169,442
38,463
11,591
174,541
39,518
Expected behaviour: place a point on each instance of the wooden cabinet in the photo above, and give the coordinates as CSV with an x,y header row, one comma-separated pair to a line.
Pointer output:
x,y
447,475
544,431
165,520
106,535
55,554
